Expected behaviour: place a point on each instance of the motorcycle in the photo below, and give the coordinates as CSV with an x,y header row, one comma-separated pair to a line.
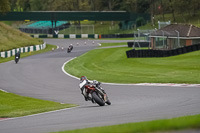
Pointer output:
x,y
17,57
69,49
94,92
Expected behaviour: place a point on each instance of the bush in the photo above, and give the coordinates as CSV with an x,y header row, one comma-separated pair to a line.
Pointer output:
x,y
140,21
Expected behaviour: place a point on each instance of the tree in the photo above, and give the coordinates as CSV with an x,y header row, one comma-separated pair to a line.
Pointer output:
x,y
13,4
4,6
194,7
36,5
172,10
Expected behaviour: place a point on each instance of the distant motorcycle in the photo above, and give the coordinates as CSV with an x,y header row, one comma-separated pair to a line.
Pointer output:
x,y
69,49
94,92
17,57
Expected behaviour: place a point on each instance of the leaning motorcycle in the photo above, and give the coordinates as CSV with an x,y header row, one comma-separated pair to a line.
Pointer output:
x,y
95,92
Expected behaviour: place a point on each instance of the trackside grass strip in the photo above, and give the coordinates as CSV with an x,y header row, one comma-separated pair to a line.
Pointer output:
x,y
112,65
48,48
113,44
13,105
181,123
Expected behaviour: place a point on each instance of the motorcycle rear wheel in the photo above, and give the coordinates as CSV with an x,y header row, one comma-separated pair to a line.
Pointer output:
x,y
97,99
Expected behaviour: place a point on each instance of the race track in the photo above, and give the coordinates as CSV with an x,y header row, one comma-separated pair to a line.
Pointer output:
x,y
40,76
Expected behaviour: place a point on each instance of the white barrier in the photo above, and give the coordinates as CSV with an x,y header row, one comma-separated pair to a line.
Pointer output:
x,y
49,35
36,36
96,36
72,35
60,35
12,52
84,35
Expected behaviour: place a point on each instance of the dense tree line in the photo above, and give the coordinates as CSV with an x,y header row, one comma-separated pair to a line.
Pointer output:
x,y
154,7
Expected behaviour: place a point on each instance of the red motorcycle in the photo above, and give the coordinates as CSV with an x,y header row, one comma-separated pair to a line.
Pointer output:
x,y
94,92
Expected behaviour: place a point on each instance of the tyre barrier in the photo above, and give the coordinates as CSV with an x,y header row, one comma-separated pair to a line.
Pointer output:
x,y
116,35
6,54
141,44
161,53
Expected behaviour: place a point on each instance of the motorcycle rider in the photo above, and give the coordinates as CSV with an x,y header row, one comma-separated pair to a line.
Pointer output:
x,y
97,91
83,88
88,82
71,46
17,54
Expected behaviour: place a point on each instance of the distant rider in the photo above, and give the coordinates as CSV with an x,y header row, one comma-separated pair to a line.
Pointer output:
x,y
17,55
71,46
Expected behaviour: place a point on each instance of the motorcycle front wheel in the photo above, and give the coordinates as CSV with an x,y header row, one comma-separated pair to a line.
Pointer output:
x,y
97,99
16,61
108,102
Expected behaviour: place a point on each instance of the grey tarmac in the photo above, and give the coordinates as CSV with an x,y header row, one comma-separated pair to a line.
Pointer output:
x,y
40,76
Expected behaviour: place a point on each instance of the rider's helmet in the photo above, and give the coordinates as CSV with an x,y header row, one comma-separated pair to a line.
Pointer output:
x,y
95,82
83,78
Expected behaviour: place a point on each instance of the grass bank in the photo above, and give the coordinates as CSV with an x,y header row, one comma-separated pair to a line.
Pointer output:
x,y
175,124
12,38
112,65
13,105
48,48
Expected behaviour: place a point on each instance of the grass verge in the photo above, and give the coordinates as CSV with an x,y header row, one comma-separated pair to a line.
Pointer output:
x,y
128,38
113,44
180,123
48,48
112,65
13,105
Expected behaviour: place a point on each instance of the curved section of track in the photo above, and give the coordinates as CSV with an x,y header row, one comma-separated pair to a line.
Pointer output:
x,y
40,76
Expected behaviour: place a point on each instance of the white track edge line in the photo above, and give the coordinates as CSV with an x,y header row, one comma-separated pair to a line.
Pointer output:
x,y
63,66
4,91
41,113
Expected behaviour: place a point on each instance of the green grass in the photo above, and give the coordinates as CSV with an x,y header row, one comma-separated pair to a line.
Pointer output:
x,y
181,123
113,44
105,28
13,38
112,65
48,48
128,38
13,105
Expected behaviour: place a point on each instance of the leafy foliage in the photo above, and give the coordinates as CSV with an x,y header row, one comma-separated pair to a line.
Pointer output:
x,y
111,65
4,6
155,7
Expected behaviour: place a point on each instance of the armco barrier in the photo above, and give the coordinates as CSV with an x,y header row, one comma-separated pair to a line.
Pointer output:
x,y
72,36
12,52
161,53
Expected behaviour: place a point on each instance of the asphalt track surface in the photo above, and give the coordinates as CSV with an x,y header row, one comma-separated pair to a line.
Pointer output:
x,y
40,76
